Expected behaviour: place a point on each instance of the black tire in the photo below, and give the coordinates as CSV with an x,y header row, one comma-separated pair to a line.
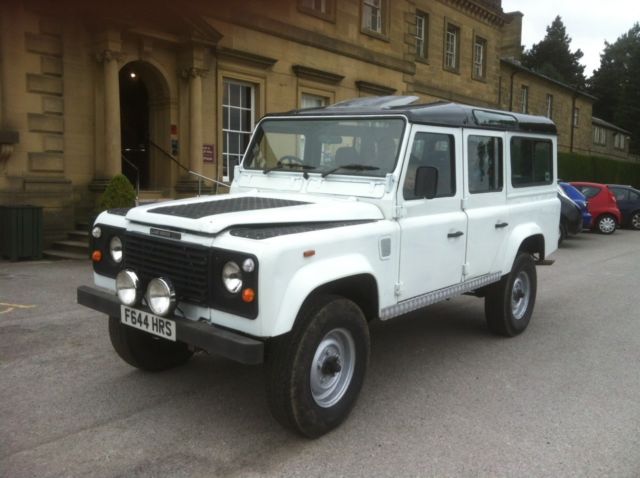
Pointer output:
x,y
563,233
289,374
606,224
504,316
145,351
634,221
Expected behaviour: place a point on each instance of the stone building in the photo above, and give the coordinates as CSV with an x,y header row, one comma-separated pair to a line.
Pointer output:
x,y
610,140
91,89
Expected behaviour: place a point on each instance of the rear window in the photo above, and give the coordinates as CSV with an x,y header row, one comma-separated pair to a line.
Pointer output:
x,y
531,162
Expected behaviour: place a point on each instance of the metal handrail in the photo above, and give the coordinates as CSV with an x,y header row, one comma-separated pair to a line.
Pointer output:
x,y
193,173
137,177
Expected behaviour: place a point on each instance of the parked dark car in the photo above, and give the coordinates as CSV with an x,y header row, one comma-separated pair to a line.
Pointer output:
x,y
570,217
629,204
577,197
602,205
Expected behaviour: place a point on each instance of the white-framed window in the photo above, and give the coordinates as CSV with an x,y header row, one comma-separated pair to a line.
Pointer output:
x,y
373,16
549,106
324,9
618,141
451,47
524,99
422,35
479,58
576,117
313,101
599,135
238,120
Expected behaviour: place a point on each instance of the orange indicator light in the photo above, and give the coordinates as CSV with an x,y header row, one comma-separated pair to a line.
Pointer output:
x,y
248,295
96,256
309,253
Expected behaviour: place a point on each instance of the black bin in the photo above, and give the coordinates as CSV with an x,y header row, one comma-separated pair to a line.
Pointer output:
x,y
21,232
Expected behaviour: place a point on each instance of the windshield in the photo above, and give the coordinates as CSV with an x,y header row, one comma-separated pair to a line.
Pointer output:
x,y
354,146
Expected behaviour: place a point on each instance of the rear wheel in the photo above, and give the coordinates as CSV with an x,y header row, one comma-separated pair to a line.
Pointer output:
x,y
315,372
635,221
563,233
145,351
508,304
606,224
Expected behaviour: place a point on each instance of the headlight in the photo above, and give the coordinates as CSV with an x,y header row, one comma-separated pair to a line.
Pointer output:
x,y
232,277
96,232
115,249
127,287
161,296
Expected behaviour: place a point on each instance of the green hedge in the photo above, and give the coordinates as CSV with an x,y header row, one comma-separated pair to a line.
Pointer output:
x,y
578,167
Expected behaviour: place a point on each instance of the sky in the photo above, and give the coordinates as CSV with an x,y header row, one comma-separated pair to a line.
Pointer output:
x,y
588,22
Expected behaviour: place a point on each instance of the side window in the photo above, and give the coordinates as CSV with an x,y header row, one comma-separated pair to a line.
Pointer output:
x,y
634,196
620,194
435,150
531,162
484,161
589,191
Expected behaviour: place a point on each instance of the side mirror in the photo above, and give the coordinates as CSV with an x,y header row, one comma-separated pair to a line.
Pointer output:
x,y
426,182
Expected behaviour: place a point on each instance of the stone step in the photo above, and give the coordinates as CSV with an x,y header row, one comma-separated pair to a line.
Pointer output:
x,y
78,235
56,254
80,247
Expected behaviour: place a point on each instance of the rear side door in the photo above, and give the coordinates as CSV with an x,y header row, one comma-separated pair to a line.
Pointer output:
x,y
432,231
485,201
624,203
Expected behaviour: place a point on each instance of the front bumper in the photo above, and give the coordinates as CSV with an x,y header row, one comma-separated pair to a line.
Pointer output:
x,y
197,334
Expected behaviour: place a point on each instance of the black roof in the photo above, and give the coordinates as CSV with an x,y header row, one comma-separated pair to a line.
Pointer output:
x,y
438,114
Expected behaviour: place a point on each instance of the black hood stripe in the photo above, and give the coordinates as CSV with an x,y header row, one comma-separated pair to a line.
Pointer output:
x,y
224,206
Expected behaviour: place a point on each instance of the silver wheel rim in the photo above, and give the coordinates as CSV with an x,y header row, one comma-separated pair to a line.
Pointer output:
x,y
520,295
332,367
635,221
607,224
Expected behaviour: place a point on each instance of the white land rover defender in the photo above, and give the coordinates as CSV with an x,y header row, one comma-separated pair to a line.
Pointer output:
x,y
366,209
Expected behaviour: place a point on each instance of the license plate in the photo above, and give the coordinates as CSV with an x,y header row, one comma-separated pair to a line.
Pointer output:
x,y
153,324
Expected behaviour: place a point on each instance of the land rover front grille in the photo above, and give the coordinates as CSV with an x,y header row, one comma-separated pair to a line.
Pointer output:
x,y
186,265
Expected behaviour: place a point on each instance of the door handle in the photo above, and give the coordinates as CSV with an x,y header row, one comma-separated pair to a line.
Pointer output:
x,y
455,234
500,225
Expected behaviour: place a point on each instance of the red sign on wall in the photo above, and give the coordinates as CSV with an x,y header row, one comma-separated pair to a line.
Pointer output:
x,y
209,153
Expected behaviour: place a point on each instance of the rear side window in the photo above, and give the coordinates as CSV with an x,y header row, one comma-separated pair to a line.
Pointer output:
x,y
435,150
620,194
531,162
634,196
484,164
589,191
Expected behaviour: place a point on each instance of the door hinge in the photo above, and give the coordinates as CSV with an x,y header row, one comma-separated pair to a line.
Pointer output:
x,y
464,203
465,269
397,289
398,211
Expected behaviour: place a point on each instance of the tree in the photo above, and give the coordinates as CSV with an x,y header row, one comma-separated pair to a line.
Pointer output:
x,y
616,84
552,57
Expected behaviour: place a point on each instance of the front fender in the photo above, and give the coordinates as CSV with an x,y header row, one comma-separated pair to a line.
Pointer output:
x,y
309,278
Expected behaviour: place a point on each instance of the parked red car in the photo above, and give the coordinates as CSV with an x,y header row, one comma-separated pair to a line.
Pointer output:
x,y
602,206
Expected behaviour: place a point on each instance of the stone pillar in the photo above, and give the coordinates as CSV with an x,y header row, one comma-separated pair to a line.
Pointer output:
x,y
195,119
112,143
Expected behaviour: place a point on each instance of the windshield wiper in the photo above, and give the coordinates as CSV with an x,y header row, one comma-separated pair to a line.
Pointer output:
x,y
284,167
350,167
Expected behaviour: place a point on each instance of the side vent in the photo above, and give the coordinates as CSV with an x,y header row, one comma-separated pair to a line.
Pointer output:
x,y
385,248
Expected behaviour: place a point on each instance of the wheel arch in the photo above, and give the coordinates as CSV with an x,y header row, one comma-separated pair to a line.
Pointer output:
x,y
348,276
527,238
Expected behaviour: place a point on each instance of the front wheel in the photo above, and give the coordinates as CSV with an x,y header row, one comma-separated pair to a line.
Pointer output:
x,y
606,224
635,221
315,372
508,304
145,351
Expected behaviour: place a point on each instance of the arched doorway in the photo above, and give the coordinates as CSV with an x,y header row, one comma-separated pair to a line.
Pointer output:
x,y
144,120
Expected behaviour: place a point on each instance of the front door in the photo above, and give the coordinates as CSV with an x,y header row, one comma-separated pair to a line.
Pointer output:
x,y
433,231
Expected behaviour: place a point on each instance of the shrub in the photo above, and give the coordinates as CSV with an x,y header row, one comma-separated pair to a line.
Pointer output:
x,y
119,193
578,167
